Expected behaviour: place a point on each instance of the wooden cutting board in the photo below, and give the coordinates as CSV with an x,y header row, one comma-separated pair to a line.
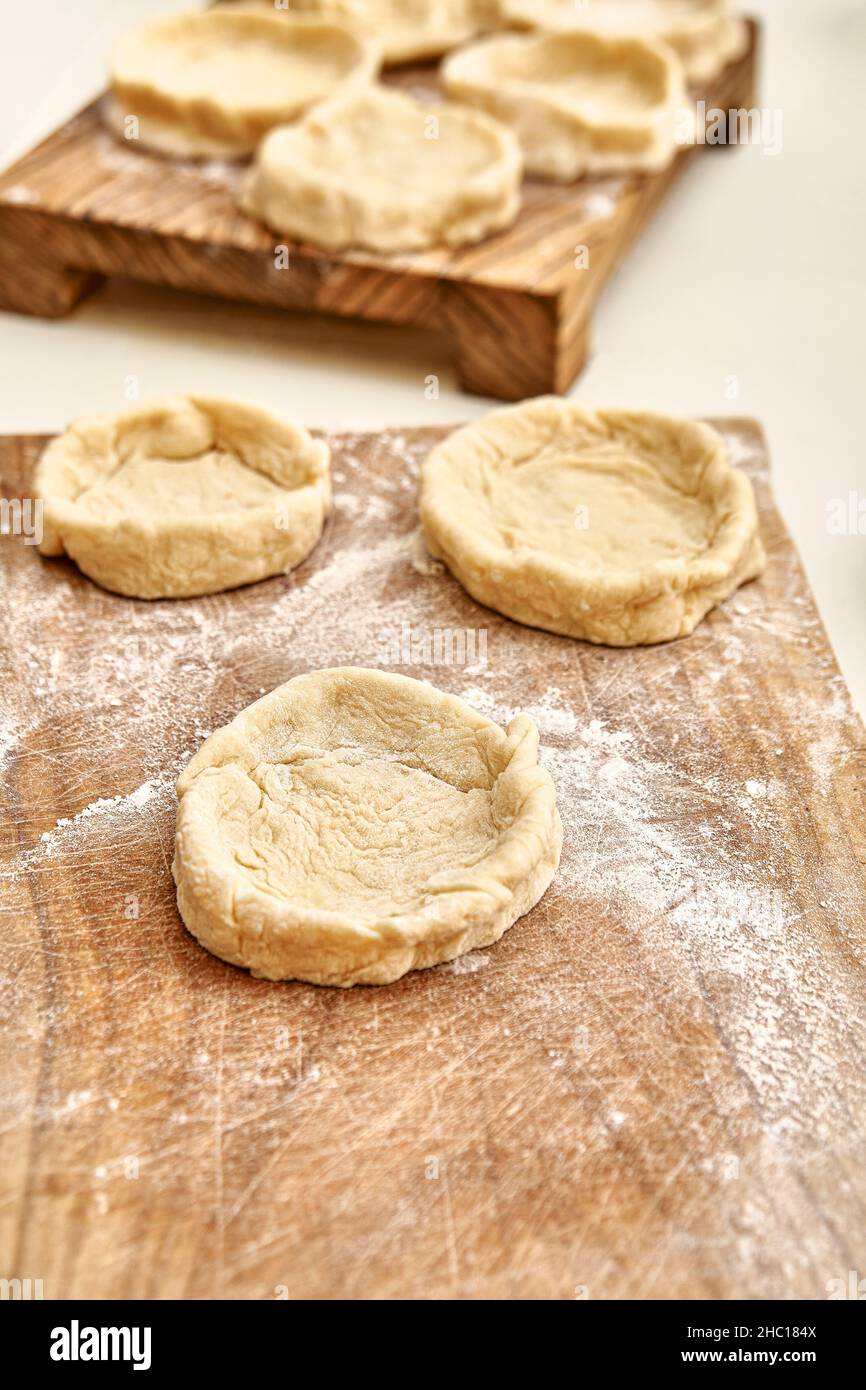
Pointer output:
x,y
517,307
653,1086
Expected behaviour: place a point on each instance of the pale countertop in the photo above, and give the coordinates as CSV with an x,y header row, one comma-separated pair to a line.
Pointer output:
x,y
745,296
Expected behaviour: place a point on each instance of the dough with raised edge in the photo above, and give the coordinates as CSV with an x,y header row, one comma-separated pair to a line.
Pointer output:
x,y
703,33
188,496
579,102
623,528
375,169
354,825
405,29
211,85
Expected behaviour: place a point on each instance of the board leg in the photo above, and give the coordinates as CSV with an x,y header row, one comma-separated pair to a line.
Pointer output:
x,y
571,356
32,280
507,343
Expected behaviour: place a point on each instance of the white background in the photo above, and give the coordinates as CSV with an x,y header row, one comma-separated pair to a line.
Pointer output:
x,y
753,269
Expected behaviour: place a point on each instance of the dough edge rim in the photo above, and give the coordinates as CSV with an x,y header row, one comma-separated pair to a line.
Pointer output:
x,y
477,79
705,43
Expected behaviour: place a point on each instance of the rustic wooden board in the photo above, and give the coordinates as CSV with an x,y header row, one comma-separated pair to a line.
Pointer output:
x,y
517,307
653,1086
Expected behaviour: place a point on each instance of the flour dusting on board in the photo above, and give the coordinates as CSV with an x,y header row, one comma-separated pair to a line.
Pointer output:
x,y
662,850
161,664
134,801
689,860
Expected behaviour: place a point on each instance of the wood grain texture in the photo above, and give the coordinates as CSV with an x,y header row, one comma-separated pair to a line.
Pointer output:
x,y
517,307
653,1086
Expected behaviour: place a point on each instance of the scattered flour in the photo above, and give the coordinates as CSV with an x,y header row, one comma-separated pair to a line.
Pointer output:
x,y
51,840
598,204
468,964
422,561
668,852
702,875
20,194
756,788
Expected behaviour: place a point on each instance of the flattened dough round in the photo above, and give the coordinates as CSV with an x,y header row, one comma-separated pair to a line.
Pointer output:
x,y
406,30
188,496
619,527
579,102
373,168
703,33
354,825
211,85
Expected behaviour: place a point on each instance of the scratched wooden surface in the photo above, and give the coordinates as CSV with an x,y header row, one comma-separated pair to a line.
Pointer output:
x,y
652,1087
517,306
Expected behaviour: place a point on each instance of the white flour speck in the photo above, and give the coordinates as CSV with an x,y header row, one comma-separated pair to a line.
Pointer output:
x,y
468,964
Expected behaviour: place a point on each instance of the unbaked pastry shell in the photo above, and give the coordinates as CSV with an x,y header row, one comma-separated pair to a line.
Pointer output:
x,y
375,169
185,497
675,529
579,102
354,825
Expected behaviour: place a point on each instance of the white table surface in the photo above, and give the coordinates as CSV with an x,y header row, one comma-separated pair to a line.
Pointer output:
x,y
753,271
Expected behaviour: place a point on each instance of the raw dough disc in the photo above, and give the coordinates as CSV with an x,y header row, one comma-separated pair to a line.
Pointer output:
x,y
375,169
703,33
622,528
406,30
580,103
188,496
354,825
212,84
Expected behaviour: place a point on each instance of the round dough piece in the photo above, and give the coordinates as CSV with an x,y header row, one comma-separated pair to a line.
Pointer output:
x,y
407,30
579,102
703,33
619,527
184,497
211,85
354,825
375,169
